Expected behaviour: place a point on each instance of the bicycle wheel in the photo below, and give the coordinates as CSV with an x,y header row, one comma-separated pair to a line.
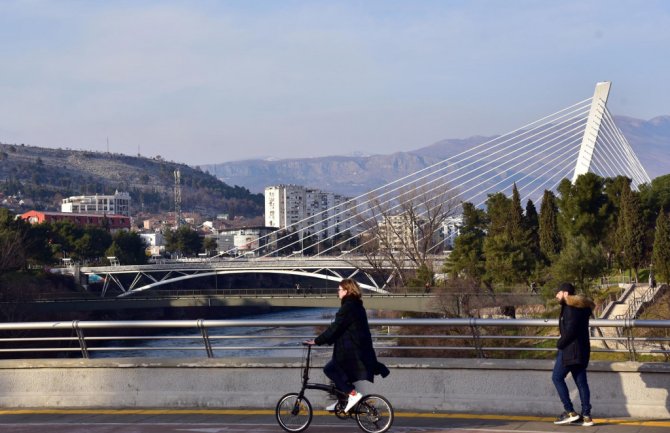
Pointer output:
x,y
374,414
293,413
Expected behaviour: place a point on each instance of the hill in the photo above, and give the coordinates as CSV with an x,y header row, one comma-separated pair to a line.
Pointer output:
x,y
354,175
45,176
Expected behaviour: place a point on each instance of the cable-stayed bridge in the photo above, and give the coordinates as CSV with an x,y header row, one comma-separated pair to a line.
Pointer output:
x,y
404,217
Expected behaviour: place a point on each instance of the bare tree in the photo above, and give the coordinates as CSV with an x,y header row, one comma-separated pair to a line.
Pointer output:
x,y
402,234
12,251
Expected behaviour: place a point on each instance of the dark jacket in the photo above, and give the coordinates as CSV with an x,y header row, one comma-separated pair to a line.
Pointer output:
x,y
574,326
353,350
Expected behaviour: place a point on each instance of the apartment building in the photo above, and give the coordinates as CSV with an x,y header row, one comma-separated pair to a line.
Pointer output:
x,y
116,204
308,210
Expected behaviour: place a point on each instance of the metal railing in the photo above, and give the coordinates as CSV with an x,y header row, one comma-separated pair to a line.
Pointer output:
x,y
393,337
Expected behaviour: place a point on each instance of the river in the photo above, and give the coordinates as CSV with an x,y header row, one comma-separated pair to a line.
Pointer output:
x,y
267,341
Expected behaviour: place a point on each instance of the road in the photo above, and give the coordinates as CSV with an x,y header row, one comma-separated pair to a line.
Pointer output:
x,y
262,421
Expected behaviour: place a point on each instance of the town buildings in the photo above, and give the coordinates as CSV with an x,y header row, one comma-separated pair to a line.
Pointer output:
x,y
308,211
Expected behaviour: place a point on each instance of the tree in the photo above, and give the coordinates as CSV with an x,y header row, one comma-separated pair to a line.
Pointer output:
x,y
532,228
128,248
93,243
579,262
661,253
13,234
550,238
405,230
630,231
508,257
209,244
184,241
584,208
467,257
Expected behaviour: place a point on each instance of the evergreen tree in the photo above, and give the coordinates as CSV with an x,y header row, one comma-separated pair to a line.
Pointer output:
x,y
184,241
661,254
550,238
580,262
532,227
508,259
584,209
467,257
128,248
630,230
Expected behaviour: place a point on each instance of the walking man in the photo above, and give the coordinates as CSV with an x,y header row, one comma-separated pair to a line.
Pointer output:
x,y
574,350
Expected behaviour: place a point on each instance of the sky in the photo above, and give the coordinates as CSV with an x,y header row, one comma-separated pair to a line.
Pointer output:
x,y
203,82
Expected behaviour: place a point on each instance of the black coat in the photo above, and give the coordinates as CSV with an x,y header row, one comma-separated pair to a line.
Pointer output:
x,y
574,326
353,351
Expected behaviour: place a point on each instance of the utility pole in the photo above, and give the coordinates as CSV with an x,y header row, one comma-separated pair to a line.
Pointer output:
x,y
177,198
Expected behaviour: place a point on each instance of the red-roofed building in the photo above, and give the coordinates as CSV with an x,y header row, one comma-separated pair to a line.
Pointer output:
x,y
114,222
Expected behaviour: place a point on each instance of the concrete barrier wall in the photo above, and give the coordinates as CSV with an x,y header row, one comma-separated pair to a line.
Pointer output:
x,y
631,389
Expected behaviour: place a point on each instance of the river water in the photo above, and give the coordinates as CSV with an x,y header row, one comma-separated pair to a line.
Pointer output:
x,y
265,341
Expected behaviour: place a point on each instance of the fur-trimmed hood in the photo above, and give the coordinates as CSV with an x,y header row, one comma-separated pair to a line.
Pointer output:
x,y
579,301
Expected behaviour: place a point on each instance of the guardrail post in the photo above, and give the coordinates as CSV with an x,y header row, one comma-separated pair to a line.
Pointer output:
x,y
205,338
81,338
475,338
630,339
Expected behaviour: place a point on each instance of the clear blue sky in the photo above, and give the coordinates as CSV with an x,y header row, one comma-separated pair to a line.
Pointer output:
x,y
213,81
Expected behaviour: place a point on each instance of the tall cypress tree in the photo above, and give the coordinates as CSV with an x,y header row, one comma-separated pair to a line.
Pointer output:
x,y
661,254
630,230
532,227
550,238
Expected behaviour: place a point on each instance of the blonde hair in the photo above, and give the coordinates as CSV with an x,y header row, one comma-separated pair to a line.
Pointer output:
x,y
351,287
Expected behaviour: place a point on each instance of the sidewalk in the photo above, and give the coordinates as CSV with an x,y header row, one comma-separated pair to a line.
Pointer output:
x,y
262,421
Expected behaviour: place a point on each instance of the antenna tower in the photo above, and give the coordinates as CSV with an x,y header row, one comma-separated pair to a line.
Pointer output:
x,y
177,198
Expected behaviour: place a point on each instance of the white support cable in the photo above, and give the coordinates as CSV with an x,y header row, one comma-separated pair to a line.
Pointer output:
x,y
514,166
635,164
354,200
574,148
552,131
414,182
553,116
546,131
570,163
570,154
615,145
566,149
597,169
628,170
605,152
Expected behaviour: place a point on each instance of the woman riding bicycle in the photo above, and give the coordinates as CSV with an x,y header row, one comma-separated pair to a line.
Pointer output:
x,y
354,358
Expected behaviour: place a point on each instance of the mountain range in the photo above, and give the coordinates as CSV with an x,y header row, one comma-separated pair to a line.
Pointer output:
x,y
354,175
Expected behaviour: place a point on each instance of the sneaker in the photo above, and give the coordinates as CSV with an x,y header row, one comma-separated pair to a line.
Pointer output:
x,y
332,407
567,418
587,421
353,399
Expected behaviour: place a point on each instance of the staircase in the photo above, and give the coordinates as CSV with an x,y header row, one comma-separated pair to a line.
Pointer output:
x,y
629,306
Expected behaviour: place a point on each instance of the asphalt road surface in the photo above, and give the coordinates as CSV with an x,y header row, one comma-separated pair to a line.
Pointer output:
x,y
262,421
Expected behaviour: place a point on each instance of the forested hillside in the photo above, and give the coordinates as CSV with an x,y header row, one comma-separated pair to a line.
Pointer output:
x,y
45,176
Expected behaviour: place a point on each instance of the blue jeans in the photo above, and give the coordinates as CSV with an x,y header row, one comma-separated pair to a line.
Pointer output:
x,y
579,375
339,377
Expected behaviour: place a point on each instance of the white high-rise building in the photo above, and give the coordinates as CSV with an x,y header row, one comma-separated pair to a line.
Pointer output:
x,y
307,210
117,204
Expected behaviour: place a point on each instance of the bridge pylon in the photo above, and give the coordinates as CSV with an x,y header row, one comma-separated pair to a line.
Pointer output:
x,y
592,128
